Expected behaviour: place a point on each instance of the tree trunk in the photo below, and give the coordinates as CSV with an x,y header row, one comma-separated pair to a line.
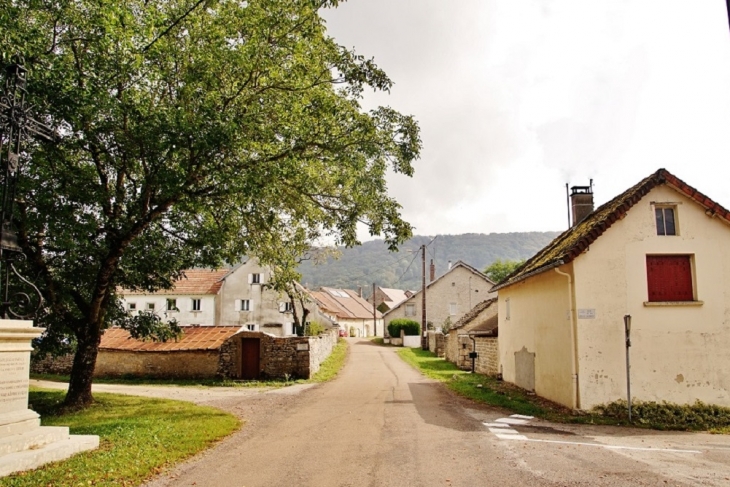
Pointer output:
x,y
82,372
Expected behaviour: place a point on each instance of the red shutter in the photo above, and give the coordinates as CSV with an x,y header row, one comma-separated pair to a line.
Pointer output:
x,y
669,277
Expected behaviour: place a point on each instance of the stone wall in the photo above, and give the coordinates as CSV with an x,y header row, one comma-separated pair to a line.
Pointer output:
x,y
294,357
436,343
459,346
183,364
488,359
52,365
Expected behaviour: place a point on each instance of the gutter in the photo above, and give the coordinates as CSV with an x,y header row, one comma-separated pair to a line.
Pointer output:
x,y
521,278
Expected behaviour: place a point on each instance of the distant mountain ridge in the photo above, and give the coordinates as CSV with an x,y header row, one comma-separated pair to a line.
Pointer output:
x,y
373,263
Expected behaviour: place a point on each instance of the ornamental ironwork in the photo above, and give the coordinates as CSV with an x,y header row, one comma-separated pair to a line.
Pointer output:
x,y
22,299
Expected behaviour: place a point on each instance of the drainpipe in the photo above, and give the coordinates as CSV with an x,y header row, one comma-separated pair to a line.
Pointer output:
x,y
573,339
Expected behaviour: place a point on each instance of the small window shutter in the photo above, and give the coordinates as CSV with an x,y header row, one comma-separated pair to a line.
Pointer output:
x,y
282,307
669,278
250,278
262,278
237,306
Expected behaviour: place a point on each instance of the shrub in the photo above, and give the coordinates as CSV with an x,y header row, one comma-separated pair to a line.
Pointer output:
x,y
409,327
314,328
665,415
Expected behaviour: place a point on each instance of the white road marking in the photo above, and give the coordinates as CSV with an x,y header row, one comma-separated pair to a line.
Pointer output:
x,y
608,447
496,425
521,416
512,437
512,421
506,431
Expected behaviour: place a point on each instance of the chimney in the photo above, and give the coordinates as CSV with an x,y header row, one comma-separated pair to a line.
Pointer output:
x,y
581,202
449,265
433,270
359,291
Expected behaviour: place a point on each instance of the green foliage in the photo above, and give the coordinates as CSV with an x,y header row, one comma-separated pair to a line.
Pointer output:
x,y
499,269
190,137
409,327
665,415
139,437
446,325
373,262
315,328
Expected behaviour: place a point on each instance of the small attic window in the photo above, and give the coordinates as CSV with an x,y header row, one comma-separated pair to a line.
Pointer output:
x,y
666,223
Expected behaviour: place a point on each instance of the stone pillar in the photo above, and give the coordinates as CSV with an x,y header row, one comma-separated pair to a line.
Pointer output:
x,y
24,444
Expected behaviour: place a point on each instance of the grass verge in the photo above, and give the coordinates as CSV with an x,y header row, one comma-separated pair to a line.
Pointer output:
x,y
155,381
139,438
332,364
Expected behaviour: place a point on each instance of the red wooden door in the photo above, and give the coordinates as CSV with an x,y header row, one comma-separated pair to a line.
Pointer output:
x,y
250,358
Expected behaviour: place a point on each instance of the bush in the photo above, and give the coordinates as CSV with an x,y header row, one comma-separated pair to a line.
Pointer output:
x,y
314,328
665,415
409,327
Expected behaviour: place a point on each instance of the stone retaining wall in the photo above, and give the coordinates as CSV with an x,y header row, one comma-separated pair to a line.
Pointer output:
x,y
52,365
459,346
183,364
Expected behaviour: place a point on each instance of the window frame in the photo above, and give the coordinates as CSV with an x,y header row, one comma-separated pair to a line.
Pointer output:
x,y
172,301
132,306
453,308
410,306
244,305
660,208
149,307
193,302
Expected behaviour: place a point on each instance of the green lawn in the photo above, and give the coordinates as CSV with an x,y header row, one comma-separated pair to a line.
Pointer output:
x,y
140,437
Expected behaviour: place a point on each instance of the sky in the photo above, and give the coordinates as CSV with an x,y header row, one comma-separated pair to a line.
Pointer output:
x,y
516,98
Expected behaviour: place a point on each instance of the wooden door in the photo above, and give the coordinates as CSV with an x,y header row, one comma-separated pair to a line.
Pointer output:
x,y
250,358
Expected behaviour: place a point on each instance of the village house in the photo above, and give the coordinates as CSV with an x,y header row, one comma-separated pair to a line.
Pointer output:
x,y
476,331
386,298
658,252
449,297
348,309
224,297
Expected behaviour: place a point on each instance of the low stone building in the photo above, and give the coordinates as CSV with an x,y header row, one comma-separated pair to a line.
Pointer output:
x,y
212,352
475,331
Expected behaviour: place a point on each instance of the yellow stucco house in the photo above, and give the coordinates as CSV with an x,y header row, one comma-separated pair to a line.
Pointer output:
x,y
659,252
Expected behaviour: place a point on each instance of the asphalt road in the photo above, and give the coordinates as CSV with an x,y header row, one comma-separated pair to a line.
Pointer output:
x,y
380,423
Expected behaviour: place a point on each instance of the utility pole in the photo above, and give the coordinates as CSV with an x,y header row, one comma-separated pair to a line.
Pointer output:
x,y
424,339
375,320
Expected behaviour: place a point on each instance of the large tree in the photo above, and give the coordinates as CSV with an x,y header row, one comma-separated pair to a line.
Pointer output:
x,y
191,133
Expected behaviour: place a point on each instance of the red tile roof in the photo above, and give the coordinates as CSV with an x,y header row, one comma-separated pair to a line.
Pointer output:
x,y
195,282
576,239
193,338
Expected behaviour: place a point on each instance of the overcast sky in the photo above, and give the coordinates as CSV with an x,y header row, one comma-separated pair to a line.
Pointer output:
x,y
515,98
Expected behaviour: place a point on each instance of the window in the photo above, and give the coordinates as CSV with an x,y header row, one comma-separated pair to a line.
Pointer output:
x,y
251,327
172,305
245,305
150,306
285,307
132,306
254,278
665,222
452,308
410,309
196,304
669,278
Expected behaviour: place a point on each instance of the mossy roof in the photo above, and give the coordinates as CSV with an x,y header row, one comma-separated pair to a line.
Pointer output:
x,y
571,243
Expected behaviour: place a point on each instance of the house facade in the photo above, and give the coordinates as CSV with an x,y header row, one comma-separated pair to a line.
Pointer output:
x,y
448,297
658,252
350,311
226,297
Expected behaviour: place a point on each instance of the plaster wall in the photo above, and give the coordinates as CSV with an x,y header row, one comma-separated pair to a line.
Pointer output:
x,y
538,321
179,364
460,286
679,353
185,315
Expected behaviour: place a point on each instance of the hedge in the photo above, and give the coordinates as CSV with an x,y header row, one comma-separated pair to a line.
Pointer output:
x,y
409,327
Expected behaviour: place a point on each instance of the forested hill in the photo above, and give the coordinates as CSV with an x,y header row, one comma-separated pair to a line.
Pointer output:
x,y
373,263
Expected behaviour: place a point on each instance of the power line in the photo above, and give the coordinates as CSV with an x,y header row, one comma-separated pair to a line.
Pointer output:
x,y
409,266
